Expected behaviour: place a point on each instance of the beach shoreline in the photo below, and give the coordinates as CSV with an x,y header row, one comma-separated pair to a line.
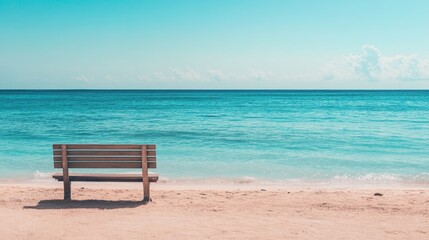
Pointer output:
x,y
30,210
220,184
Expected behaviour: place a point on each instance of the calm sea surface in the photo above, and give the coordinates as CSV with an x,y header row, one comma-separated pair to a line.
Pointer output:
x,y
343,136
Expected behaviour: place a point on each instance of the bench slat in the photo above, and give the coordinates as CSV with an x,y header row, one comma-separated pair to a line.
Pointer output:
x,y
103,153
105,159
104,146
106,177
104,150
100,152
104,164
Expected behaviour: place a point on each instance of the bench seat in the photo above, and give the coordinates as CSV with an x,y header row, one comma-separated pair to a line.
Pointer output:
x,y
100,177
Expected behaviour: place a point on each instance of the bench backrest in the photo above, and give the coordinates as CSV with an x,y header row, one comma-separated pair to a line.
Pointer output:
x,y
104,155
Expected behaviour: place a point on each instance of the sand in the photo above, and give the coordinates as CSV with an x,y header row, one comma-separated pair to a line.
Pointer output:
x,y
235,212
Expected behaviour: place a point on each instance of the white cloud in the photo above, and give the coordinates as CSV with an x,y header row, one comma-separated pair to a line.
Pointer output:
x,y
175,74
259,74
371,65
83,78
185,74
189,74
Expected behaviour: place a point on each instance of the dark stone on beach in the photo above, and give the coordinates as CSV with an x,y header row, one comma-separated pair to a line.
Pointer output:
x,y
263,190
378,194
288,192
82,188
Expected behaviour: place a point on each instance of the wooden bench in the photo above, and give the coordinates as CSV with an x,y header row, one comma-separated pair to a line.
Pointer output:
x,y
105,156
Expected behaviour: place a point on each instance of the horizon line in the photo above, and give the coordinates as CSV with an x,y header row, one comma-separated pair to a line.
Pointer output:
x,y
207,89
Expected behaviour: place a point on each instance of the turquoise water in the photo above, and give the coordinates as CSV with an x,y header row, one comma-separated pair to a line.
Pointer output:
x,y
374,136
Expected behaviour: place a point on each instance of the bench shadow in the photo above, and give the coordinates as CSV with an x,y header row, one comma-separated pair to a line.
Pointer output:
x,y
85,204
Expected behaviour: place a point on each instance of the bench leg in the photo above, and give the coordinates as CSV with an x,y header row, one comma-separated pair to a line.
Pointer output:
x,y
146,192
67,190
66,178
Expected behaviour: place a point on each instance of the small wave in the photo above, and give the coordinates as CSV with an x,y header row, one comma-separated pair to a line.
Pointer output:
x,y
211,115
245,179
37,175
421,178
222,181
370,178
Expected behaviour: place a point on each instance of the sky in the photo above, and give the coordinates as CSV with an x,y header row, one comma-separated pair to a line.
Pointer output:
x,y
214,44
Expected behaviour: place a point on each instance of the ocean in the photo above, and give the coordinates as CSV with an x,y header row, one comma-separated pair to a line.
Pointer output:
x,y
202,135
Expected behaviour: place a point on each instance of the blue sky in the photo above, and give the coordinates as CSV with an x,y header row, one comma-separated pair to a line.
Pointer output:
x,y
214,44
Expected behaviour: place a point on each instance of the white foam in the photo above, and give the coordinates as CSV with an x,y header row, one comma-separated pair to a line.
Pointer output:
x,y
209,181
369,178
37,175
346,180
